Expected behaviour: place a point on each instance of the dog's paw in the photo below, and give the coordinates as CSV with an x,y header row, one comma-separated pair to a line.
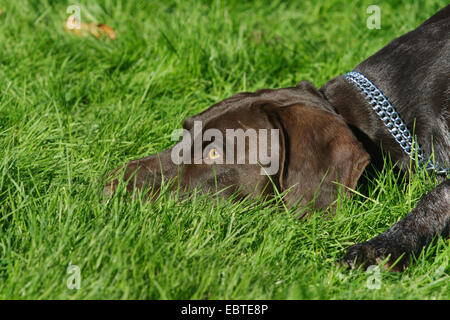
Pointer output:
x,y
361,254
367,254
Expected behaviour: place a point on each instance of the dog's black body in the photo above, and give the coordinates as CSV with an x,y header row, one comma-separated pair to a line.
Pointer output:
x,y
413,71
328,134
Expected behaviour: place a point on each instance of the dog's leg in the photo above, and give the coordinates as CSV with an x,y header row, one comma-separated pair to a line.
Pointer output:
x,y
429,219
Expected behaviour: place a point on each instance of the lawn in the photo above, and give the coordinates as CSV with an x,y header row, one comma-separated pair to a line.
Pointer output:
x,y
74,107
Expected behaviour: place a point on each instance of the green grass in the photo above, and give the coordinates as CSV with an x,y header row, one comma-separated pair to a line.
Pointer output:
x,y
73,108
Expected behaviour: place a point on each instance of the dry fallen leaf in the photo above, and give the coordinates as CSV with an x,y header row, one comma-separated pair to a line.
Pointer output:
x,y
105,29
98,30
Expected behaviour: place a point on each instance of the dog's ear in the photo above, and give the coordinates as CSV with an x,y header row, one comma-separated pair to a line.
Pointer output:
x,y
319,153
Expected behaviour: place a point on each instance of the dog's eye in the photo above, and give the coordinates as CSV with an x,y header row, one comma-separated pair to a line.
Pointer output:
x,y
213,154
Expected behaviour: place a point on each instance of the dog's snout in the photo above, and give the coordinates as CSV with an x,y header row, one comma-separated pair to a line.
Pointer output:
x,y
139,174
109,189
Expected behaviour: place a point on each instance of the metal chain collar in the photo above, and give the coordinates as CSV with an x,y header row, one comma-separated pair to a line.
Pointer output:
x,y
392,120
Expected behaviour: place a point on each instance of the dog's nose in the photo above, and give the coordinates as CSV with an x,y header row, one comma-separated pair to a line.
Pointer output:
x,y
109,190
135,175
139,174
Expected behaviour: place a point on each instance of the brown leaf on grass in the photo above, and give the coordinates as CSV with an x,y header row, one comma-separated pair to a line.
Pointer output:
x,y
98,30
1,12
102,30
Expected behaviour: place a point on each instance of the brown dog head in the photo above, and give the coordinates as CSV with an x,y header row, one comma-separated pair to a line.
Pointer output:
x,y
293,140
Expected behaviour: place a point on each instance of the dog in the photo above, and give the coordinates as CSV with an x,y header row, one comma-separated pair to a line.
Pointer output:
x,y
396,101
